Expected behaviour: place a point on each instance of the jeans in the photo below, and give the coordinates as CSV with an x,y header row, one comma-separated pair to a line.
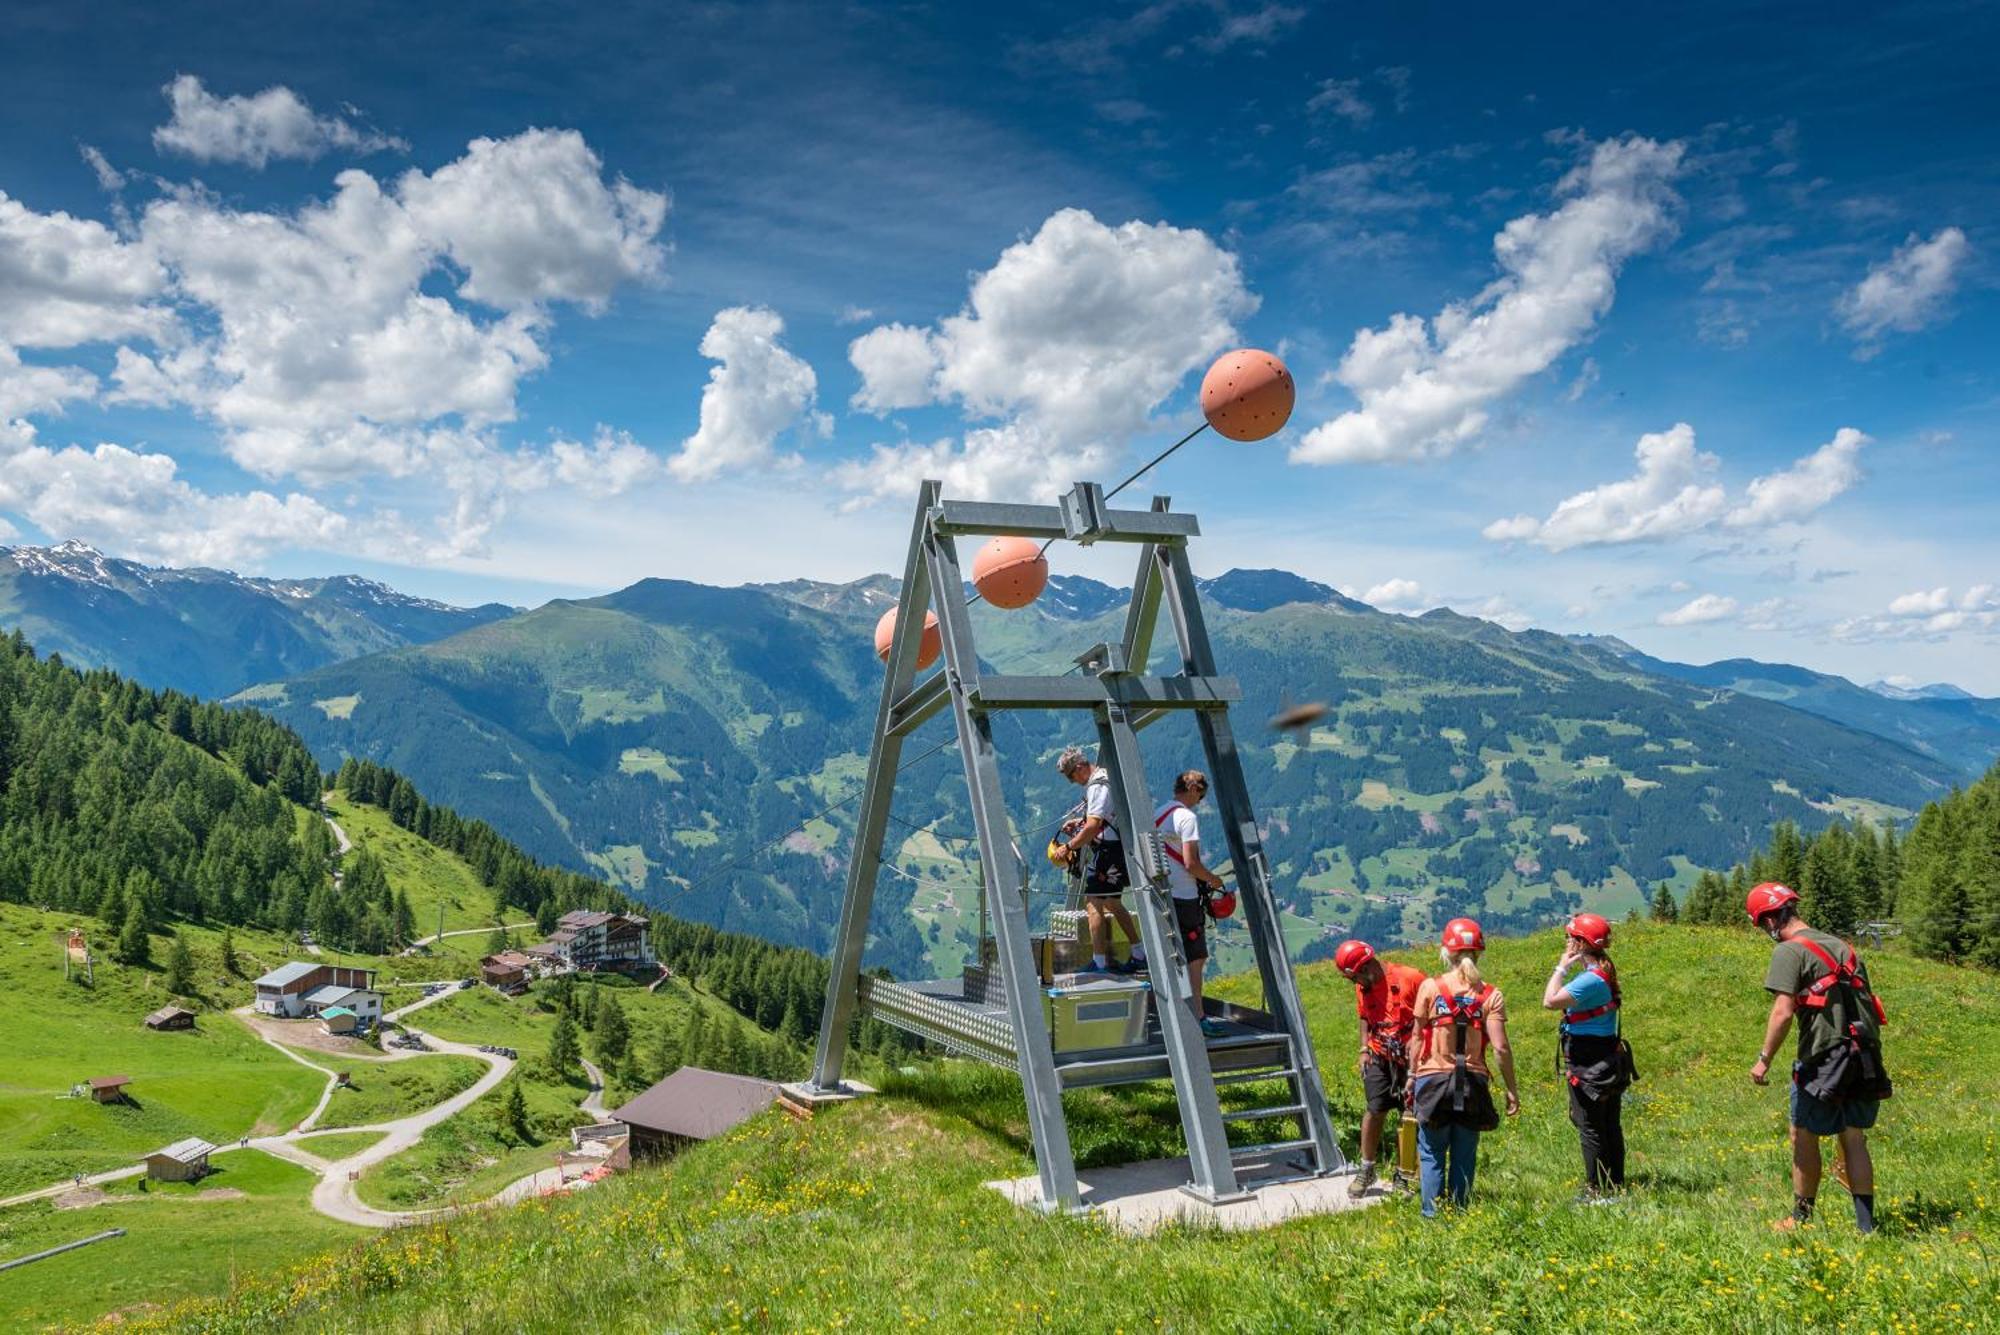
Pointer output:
x,y
1447,1153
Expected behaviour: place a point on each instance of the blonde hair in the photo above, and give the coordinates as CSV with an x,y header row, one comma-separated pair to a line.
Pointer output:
x,y
1461,970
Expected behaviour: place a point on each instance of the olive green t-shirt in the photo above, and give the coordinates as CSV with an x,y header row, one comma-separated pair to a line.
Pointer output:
x,y
1793,970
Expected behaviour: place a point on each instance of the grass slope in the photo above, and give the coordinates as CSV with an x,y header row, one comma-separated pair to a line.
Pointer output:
x,y
174,1247
382,1091
872,1215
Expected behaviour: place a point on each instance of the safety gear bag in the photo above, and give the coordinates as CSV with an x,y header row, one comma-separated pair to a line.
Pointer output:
x,y
1464,1097
1845,1061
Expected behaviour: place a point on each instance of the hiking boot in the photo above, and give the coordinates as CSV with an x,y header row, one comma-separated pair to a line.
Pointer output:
x,y
1362,1180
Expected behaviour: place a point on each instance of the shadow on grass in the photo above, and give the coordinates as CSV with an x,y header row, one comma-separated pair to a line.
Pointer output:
x,y
1918,1214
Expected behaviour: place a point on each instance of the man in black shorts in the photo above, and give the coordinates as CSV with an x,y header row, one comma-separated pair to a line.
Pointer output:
x,y
1104,875
1187,876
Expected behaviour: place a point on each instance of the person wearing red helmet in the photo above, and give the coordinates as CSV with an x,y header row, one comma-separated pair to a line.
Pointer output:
x,y
1593,1054
1384,996
1838,1082
1461,1022
1187,877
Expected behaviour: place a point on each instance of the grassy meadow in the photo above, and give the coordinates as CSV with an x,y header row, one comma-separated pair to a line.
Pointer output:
x,y
873,1214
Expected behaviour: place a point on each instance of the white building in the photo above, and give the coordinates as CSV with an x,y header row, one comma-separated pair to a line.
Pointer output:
x,y
305,988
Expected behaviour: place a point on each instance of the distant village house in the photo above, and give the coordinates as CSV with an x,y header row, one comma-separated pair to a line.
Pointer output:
x,y
690,1106
508,971
171,1017
303,988
182,1161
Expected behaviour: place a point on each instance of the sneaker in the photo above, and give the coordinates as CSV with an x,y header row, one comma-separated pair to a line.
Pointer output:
x,y
1213,1028
1593,1196
1110,966
1363,1179
1136,965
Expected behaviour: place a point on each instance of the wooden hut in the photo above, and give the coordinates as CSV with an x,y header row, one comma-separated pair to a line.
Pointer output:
x,y
182,1161
109,1088
171,1017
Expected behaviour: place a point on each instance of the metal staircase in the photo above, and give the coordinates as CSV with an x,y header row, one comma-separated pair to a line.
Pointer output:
x,y
1265,1044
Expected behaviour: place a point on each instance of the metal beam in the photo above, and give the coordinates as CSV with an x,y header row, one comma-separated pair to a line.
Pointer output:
x,y
1144,613
999,867
1180,1027
926,698
1147,693
1231,791
992,518
872,821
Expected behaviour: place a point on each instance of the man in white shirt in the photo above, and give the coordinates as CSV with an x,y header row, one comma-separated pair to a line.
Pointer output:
x,y
1187,876
1104,876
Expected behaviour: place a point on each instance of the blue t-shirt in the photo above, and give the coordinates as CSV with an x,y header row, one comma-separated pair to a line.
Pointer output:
x,y
1589,992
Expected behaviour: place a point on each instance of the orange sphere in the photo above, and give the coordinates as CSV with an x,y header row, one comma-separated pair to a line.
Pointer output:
x,y
1010,572
1247,394
928,647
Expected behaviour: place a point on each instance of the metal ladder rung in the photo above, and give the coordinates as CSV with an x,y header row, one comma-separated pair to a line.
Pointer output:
x,y
1248,1077
1275,1147
1262,1114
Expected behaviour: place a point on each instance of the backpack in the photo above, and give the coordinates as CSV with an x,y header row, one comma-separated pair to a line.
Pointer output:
x,y
1471,1103
1845,1060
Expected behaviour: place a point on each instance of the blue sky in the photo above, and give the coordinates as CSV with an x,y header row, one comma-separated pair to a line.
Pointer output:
x,y
718,283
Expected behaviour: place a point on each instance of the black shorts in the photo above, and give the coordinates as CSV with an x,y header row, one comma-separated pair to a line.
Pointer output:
x,y
1192,923
1106,877
1382,1083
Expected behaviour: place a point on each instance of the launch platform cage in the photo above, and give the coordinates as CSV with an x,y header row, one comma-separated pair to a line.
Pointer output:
x,y
1001,1011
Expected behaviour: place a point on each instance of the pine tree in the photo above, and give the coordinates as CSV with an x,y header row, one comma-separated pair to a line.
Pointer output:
x,y
612,1032
1787,855
404,919
134,947
180,967
1664,907
516,1111
563,1050
1826,887
496,940
230,964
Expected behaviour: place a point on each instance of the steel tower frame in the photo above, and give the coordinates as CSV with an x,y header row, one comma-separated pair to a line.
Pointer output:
x,y
1122,700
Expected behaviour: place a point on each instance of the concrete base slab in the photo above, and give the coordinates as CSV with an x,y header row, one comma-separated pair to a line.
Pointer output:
x,y
804,1095
1143,1197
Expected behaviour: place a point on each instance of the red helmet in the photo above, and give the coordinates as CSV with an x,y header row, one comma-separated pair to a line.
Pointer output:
x,y
1221,904
1463,934
1351,956
1769,898
1590,929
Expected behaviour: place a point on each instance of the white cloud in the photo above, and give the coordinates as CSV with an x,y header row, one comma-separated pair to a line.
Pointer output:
x,y
1674,494
1502,613
1069,341
134,503
757,392
1772,614
1805,487
1670,495
1425,387
1907,291
1927,614
66,281
1396,595
108,176
896,363
252,130
611,464
317,339
531,220
1342,98
853,314
1586,376
1700,610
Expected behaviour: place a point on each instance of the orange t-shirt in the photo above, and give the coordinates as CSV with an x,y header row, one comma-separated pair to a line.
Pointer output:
x,y
1432,1005
1386,1010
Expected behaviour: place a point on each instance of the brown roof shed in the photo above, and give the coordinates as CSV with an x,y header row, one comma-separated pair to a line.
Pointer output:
x,y
698,1104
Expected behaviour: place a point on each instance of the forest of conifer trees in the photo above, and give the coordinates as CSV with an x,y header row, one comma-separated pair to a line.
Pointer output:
x,y
1939,883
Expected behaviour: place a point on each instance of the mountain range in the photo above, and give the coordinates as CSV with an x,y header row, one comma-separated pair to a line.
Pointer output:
x,y
703,745
208,632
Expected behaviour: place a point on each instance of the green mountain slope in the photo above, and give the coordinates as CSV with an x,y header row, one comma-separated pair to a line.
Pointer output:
x,y
1940,721
208,632
690,740
873,1215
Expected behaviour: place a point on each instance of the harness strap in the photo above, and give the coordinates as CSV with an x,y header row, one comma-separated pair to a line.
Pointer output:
x,y
1839,972
1162,819
1578,1017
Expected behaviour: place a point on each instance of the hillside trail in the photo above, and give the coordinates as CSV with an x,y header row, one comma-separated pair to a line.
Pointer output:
x,y
341,843
436,937
593,1102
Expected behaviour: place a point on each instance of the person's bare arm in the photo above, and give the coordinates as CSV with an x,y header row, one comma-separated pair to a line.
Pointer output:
x,y
1086,834
1191,854
1783,1006
1503,1057
1555,996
